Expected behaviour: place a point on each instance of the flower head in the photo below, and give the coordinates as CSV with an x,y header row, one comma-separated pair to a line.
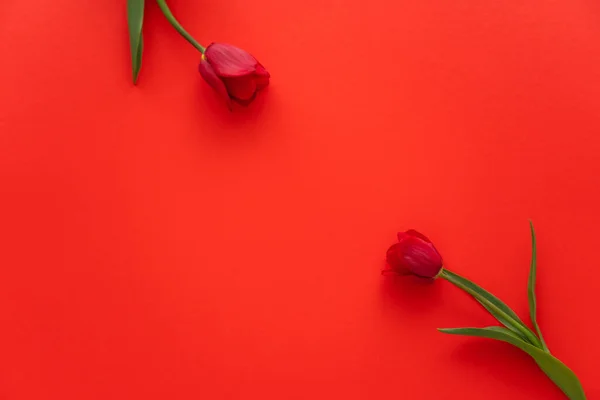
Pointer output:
x,y
233,73
414,254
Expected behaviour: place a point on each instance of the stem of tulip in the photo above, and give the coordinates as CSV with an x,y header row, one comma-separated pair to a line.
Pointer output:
x,y
173,21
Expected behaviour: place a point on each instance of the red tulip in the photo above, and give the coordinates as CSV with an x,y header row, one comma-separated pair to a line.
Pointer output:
x,y
414,254
233,73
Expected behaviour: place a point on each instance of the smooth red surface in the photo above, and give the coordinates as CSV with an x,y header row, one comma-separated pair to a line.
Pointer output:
x,y
156,246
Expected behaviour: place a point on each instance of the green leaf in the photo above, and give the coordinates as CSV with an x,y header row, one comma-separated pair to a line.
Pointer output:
x,y
531,288
560,374
135,21
503,313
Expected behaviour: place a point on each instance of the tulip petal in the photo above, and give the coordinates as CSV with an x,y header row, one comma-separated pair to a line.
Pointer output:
x,y
262,71
262,77
413,233
245,102
213,80
242,88
395,260
420,257
230,61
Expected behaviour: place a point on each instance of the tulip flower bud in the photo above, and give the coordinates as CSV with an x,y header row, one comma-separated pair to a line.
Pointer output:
x,y
233,73
414,254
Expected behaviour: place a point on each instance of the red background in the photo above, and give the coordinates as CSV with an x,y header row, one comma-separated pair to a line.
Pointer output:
x,y
156,246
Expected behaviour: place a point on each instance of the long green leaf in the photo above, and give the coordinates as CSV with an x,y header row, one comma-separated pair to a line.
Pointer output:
x,y
503,313
135,21
560,374
531,289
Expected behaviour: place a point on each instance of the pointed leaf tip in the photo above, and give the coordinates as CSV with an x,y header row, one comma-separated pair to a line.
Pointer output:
x,y
135,21
531,288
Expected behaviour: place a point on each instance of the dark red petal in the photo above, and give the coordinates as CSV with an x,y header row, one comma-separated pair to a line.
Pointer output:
x,y
402,236
388,271
242,88
262,76
261,84
412,232
213,80
245,102
395,260
262,71
230,61
420,257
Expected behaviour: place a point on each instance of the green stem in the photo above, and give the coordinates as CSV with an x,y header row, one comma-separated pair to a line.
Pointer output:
x,y
524,330
173,21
